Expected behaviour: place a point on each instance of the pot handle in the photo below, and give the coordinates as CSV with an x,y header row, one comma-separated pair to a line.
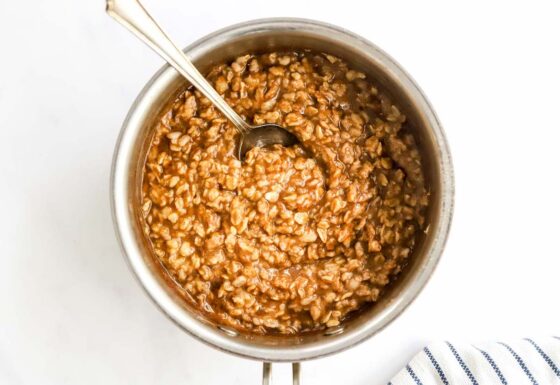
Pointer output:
x,y
267,373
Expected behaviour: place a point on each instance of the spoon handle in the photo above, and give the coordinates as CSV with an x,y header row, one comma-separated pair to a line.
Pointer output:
x,y
132,15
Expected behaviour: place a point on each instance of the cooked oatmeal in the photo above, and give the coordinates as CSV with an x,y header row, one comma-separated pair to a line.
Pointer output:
x,y
285,241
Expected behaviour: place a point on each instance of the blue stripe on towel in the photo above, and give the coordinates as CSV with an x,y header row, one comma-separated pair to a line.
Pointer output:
x,y
436,366
413,375
462,363
493,365
521,363
545,357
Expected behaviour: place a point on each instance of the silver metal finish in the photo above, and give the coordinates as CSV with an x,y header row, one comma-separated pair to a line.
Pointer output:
x,y
267,373
132,15
278,34
296,368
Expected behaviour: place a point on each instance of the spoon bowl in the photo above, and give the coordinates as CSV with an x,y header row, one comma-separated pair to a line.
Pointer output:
x,y
262,136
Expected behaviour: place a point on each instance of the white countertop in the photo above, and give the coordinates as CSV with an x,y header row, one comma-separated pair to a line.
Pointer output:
x,y
70,311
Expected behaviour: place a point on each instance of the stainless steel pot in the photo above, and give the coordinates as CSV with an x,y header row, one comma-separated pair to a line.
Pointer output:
x,y
275,34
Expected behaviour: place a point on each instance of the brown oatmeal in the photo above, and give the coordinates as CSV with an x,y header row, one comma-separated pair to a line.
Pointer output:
x,y
282,242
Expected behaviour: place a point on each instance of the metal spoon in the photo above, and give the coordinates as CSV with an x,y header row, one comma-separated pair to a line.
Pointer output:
x,y
135,18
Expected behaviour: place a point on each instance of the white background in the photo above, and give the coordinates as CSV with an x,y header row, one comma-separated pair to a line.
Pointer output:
x,y
70,311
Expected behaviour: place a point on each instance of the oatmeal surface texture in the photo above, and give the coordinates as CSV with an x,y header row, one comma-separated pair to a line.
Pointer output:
x,y
291,239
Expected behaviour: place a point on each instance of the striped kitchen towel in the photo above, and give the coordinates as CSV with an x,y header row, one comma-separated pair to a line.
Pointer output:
x,y
528,361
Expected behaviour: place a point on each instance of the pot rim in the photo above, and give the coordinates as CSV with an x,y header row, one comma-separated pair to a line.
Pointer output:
x,y
123,220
